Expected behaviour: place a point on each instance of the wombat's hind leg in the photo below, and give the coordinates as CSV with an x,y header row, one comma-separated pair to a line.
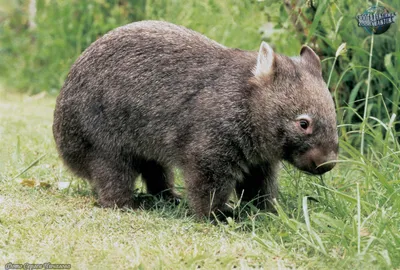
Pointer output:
x,y
114,182
159,180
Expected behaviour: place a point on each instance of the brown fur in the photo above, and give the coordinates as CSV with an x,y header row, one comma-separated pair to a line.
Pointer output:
x,y
150,96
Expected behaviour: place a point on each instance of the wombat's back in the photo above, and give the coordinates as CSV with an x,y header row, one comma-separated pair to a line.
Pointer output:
x,y
148,88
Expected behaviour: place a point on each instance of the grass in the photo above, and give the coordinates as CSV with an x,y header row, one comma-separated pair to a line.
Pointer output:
x,y
347,219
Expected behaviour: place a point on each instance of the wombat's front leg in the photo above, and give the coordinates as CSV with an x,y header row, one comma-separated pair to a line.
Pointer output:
x,y
114,182
209,185
259,186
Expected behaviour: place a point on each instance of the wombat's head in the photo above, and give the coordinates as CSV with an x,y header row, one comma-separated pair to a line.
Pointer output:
x,y
298,109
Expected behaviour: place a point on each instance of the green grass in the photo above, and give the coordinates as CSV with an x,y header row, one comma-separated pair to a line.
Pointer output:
x,y
353,224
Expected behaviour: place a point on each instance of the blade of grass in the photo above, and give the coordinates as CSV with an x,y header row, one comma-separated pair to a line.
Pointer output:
x,y
358,220
34,163
366,97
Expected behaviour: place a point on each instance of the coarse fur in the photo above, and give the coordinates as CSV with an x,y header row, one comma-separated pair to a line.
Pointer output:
x,y
151,96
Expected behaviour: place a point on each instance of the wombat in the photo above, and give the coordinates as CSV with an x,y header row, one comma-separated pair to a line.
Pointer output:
x,y
151,96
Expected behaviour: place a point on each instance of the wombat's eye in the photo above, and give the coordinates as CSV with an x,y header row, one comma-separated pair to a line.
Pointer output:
x,y
304,124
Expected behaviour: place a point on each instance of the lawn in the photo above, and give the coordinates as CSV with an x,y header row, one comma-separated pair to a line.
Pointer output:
x,y
347,219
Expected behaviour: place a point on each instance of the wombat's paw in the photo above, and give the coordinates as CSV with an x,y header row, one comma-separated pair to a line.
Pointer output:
x,y
221,215
177,200
170,197
271,206
173,198
130,203
272,209
263,204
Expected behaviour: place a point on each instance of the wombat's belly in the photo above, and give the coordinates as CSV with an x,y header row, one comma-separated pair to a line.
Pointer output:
x,y
106,126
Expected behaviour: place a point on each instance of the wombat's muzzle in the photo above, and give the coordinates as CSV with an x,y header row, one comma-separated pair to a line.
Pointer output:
x,y
317,161
326,167
323,162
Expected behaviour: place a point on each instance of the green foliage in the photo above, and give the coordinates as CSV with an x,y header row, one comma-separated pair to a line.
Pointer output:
x,y
325,25
234,23
38,59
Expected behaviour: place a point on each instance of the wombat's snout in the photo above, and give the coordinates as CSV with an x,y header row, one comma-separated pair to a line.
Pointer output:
x,y
320,161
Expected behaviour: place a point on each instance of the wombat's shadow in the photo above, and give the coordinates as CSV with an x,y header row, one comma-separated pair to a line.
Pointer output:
x,y
142,201
243,212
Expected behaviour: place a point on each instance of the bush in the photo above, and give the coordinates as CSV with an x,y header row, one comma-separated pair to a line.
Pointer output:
x,y
362,88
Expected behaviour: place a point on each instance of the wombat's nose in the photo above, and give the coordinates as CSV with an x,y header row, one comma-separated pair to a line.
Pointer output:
x,y
326,163
321,169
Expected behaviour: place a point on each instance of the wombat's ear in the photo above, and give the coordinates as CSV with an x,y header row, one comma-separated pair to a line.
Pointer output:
x,y
265,60
310,57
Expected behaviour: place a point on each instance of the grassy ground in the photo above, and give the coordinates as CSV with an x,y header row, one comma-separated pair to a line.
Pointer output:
x,y
353,224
